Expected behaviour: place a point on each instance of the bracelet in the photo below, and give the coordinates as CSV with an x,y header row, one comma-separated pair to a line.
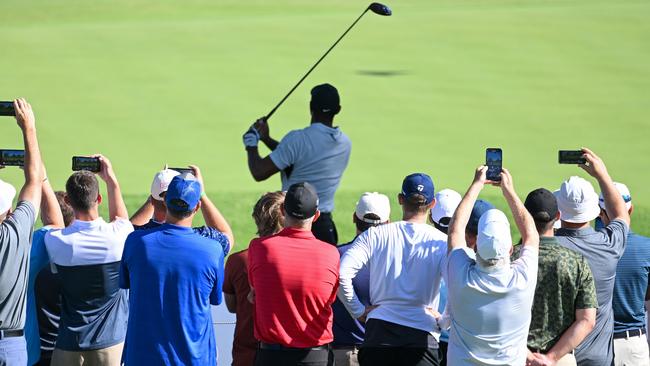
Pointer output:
x,y
44,179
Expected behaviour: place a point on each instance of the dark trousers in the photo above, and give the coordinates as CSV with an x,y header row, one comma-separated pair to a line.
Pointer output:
x,y
324,229
399,356
443,353
307,357
44,361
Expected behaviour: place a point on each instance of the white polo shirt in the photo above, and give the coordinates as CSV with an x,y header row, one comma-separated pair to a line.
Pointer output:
x,y
405,262
318,154
490,309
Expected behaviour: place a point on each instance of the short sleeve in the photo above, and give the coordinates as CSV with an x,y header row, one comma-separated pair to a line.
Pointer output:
x,y
457,262
527,260
122,227
234,268
38,258
23,218
216,235
586,296
616,232
287,152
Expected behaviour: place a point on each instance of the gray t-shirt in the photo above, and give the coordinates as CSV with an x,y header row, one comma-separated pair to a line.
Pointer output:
x,y
602,249
15,239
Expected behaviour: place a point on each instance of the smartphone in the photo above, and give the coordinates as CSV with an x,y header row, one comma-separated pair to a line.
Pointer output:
x,y
7,109
183,170
86,163
12,157
493,160
571,157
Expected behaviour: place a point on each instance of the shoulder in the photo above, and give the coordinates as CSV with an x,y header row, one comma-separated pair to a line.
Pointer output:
x,y
238,258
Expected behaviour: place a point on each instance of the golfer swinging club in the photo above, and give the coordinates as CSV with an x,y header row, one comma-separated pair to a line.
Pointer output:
x,y
317,154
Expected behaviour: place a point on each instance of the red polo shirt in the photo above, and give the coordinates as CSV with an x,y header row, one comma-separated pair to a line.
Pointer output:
x,y
295,277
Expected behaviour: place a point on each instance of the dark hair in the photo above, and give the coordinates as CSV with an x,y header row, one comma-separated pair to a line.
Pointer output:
x,y
362,225
82,190
267,213
543,225
178,214
66,210
415,203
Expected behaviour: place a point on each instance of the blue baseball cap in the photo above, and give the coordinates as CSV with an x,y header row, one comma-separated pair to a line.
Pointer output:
x,y
418,183
183,193
480,207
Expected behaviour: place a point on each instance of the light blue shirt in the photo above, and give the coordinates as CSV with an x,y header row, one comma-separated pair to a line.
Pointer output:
x,y
317,154
38,259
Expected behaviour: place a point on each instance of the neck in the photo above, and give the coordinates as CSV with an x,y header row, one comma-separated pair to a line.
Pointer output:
x,y
159,215
547,233
416,218
186,222
572,225
326,121
90,215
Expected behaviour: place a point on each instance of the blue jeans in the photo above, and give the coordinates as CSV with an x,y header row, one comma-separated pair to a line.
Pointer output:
x,y
13,351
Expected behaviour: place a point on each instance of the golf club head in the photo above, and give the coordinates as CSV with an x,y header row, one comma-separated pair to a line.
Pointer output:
x,y
380,9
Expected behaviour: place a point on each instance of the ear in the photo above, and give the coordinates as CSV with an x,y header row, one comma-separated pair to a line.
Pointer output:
x,y
316,216
432,204
400,198
197,208
354,218
631,209
557,216
99,199
338,110
282,211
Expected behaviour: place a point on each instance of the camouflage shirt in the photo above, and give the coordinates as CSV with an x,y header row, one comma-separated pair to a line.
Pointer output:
x,y
564,284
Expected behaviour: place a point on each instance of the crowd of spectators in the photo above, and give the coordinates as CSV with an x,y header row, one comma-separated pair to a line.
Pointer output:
x,y
446,284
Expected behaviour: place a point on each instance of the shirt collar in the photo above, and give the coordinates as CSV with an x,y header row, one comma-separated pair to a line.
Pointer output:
x,y
575,232
296,233
548,240
87,224
167,226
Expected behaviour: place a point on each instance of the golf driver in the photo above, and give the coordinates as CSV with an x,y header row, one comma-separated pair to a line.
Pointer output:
x,y
376,8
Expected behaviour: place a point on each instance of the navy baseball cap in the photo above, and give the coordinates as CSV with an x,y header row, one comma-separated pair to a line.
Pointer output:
x,y
418,183
325,99
480,207
183,193
301,201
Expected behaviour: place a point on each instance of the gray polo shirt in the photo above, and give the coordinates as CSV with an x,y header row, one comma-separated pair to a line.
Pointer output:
x,y
602,249
317,154
15,239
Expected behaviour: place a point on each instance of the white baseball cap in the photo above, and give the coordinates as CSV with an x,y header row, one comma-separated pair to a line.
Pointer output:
x,y
577,201
493,240
447,200
161,181
625,193
373,203
7,194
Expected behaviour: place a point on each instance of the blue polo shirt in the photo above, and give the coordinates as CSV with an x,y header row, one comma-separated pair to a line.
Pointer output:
x,y
347,330
631,284
38,259
206,231
174,275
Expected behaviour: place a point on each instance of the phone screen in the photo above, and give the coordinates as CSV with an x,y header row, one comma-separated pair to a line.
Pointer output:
x,y
86,163
571,157
7,109
12,157
493,160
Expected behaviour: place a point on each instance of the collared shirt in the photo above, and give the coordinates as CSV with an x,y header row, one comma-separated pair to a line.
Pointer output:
x,y
602,249
489,309
87,257
405,261
15,236
317,154
174,275
631,284
205,231
564,284
349,331
295,277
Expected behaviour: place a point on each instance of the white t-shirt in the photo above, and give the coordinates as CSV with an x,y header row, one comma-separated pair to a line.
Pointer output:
x,y
319,154
489,309
405,262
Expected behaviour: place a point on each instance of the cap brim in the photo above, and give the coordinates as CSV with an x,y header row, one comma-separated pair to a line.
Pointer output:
x,y
587,216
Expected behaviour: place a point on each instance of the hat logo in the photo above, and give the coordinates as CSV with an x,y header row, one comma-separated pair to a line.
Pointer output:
x,y
420,188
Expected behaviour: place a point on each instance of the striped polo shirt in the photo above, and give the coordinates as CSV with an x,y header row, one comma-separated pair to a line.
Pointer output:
x,y
94,309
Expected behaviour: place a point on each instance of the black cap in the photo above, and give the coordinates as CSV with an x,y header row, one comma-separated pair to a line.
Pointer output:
x,y
542,205
325,99
301,201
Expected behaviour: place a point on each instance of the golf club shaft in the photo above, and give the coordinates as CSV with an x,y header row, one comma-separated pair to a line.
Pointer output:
x,y
313,67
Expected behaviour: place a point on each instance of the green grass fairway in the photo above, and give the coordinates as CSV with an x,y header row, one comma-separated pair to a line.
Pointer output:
x,y
147,82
